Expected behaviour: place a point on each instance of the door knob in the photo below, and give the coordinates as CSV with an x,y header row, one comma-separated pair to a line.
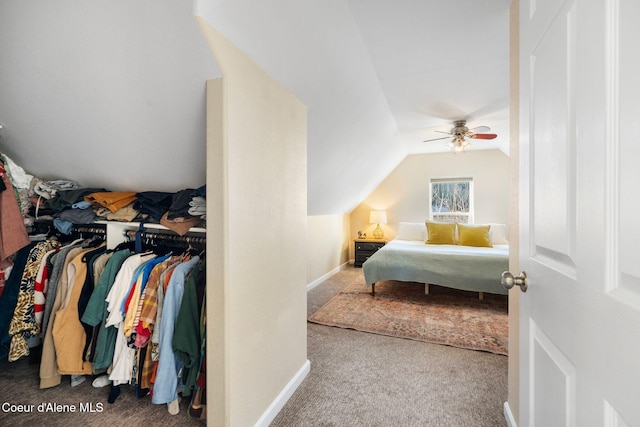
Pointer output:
x,y
508,281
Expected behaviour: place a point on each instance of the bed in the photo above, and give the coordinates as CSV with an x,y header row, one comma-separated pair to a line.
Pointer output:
x,y
468,268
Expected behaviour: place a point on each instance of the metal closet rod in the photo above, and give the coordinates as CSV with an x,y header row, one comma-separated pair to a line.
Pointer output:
x,y
167,237
89,229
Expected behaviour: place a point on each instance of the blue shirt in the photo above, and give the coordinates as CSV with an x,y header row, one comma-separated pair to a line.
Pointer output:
x,y
165,389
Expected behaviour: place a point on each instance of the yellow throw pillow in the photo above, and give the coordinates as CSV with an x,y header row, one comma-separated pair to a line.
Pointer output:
x,y
439,233
474,235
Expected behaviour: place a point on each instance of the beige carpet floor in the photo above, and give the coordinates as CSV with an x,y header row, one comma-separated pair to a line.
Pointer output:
x,y
19,385
363,379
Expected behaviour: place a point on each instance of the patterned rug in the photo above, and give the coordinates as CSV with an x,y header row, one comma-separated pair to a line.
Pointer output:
x,y
400,309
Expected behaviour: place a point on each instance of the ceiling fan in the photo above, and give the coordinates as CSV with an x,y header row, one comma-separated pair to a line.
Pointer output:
x,y
459,134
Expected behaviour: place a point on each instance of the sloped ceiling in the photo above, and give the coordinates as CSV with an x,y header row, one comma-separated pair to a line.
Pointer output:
x,y
441,61
111,93
107,93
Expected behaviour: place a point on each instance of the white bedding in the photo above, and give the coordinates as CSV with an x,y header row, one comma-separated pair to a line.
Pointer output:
x,y
460,267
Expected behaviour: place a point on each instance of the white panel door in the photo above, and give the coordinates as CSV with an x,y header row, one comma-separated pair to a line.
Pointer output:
x,y
580,212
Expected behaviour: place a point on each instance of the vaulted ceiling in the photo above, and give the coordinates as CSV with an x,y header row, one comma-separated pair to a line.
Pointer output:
x,y
378,78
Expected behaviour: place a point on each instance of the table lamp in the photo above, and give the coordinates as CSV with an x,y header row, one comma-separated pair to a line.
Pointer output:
x,y
378,217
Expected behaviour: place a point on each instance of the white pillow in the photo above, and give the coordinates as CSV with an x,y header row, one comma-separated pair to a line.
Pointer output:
x,y
412,231
498,234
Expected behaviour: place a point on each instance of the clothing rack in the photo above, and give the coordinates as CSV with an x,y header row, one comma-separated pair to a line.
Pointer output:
x,y
100,229
165,238
85,231
44,229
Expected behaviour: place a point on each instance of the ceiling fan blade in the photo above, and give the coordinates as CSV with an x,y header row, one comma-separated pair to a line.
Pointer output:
x,y
441,131
480,129
484,136
436,139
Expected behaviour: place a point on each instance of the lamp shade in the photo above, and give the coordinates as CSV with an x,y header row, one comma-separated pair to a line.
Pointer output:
x,y
378,217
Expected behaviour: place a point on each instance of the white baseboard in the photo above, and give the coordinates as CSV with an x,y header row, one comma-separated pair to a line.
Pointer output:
x,y
508,415
284,396
326,276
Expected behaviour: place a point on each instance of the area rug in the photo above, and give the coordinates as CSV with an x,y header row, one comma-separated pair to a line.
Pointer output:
x,y
401,309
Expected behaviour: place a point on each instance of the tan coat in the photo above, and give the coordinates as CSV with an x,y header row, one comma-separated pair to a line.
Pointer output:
x,y
69,336
49,375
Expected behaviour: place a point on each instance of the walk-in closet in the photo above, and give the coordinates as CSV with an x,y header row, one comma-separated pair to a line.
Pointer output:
x,y
137,98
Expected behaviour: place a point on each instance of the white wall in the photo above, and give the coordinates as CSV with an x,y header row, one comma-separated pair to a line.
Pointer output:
x,y
405,192
256,165
328,245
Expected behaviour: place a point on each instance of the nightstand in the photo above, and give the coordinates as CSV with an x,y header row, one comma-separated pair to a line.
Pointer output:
x,y
364,248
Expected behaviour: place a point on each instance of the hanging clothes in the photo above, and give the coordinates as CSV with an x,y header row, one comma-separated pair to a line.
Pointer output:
x,y
95,269
42,286
138,316
123,356
148,305
21,182
69,336
133,299
23,324
13,233
57,265
96,313
10,298
188,334
49,375
165,389
149,322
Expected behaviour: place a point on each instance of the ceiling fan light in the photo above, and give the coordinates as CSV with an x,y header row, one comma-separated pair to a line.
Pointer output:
x,y
461,136
458,144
